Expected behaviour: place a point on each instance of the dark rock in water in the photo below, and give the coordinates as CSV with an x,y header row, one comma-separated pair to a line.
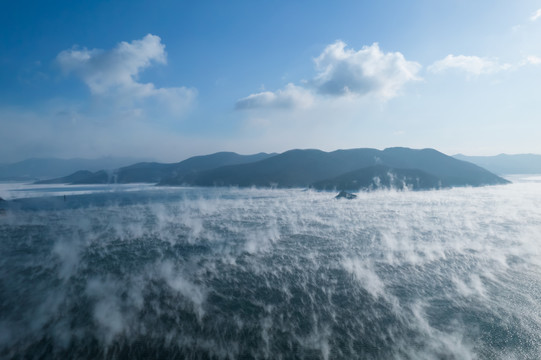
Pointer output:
x,y
345,195
1,199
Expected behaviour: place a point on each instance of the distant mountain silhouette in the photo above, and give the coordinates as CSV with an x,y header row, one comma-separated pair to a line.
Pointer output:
x,y
81,177
506,164
353,169
380,177
316,168
153,172
197,164
452,172
47,168
294,168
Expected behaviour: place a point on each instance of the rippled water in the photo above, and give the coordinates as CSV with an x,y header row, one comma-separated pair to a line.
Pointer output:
x,y
278,274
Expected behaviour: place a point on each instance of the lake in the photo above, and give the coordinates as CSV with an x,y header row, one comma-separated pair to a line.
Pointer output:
x,y
136,271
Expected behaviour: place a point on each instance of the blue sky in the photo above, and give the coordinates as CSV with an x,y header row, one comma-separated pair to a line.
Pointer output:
x,y
171,79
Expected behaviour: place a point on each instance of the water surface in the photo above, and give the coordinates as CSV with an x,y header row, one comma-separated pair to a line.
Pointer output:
x,y
253,274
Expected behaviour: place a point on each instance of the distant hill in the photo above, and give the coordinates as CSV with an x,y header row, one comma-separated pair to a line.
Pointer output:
x,y
294,168
353,169
47,168
380,177
153,172
506,164
316,168
81,177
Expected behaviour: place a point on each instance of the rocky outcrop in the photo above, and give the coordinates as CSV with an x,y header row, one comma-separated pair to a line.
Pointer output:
x,y
345,195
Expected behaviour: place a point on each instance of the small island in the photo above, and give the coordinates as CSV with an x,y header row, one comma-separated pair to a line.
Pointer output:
x,y
362,169
345,195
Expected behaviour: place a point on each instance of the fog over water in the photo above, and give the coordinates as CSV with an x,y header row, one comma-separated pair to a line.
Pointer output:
x,y
253,274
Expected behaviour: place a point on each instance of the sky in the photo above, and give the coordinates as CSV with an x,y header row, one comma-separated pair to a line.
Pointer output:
x,y
166,80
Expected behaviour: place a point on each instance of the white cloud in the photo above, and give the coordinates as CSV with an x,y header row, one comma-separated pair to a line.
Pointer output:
x,y
342,72
533,60
290,97
471,64
369,70
536,15
115,72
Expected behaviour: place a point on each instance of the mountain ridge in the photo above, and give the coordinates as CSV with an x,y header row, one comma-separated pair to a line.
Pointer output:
x,y
506,164
303,168
369,168
48,168
154,172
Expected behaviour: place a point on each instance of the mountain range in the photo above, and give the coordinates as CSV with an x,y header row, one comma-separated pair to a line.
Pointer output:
x,y
504,164
47,168
154,172
353,169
